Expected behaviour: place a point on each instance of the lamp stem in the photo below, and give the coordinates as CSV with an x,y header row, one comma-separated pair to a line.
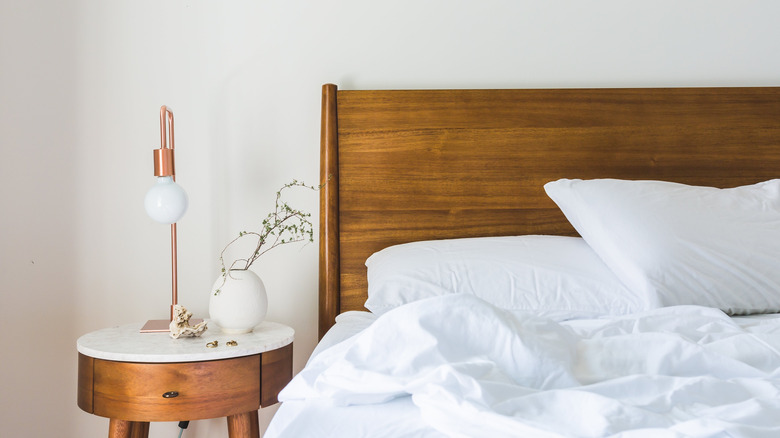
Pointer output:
x,y
166,115
174,274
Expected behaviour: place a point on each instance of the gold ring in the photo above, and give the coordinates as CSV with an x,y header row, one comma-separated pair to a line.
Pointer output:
x,y
231,343
212,344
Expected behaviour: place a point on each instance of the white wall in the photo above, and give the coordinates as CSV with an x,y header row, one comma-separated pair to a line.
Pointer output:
x,y
81,83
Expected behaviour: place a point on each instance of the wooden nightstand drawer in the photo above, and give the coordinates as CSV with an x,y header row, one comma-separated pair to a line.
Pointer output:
x,y
194,390
134,378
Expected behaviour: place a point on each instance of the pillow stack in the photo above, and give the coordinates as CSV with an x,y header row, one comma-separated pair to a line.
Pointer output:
x,y
644,244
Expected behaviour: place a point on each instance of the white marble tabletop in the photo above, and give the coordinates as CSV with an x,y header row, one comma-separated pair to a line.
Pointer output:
x,y
127,344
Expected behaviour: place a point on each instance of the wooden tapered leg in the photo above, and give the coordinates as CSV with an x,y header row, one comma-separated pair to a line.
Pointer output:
x,y
140,429
244,425
119,428
127,429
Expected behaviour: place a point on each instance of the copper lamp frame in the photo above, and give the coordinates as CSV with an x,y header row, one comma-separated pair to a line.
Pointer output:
x,y
164,166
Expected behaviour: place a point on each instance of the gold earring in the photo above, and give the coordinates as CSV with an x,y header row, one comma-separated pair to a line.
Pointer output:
x,y
212,344
231,343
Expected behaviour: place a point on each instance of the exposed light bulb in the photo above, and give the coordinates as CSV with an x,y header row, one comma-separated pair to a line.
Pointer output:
x,y
166,202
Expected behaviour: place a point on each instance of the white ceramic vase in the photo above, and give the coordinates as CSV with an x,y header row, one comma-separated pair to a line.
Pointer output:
x,y
241,303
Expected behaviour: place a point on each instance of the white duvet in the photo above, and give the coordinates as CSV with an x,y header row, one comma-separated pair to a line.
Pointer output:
x,y
476,371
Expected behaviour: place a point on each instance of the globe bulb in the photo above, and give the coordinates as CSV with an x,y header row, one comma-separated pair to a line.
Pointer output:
x,y
166,202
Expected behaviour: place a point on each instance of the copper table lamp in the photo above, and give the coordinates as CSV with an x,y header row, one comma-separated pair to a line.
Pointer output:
x,y
166,202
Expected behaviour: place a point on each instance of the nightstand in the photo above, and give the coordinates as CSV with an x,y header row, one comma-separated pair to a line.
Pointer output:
x,y
134,378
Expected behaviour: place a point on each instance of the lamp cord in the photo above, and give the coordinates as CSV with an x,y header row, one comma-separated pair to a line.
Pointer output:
x,y
183,425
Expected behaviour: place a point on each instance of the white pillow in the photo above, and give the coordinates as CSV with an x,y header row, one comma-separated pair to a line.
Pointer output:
x,y
686,244
553,276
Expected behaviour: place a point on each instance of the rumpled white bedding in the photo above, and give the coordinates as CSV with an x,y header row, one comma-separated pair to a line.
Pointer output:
x,y
472,370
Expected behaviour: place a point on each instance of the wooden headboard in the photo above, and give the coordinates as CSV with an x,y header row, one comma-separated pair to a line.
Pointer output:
x,y
411,165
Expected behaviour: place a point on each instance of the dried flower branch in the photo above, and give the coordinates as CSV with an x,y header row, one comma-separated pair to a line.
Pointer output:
x,y
282,226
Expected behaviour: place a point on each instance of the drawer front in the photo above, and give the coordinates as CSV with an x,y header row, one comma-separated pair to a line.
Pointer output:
x,y
176,391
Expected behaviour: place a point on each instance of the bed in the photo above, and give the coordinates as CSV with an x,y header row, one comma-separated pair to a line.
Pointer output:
x,y
556,262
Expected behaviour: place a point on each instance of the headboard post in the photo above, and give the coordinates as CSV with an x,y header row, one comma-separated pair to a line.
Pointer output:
x,y
329,207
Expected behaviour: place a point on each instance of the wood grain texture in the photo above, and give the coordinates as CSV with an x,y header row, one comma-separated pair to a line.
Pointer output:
x,y
128,429
244,425
329,202
276,374
86,366
134,391
435,164
131,393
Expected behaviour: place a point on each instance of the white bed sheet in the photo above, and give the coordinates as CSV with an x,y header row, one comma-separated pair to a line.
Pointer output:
x,y
629,376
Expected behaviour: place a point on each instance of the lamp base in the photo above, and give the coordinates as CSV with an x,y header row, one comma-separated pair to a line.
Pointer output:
x,y
163,325
156,326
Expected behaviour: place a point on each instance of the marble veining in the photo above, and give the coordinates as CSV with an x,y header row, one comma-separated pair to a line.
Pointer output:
x,y
127,344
